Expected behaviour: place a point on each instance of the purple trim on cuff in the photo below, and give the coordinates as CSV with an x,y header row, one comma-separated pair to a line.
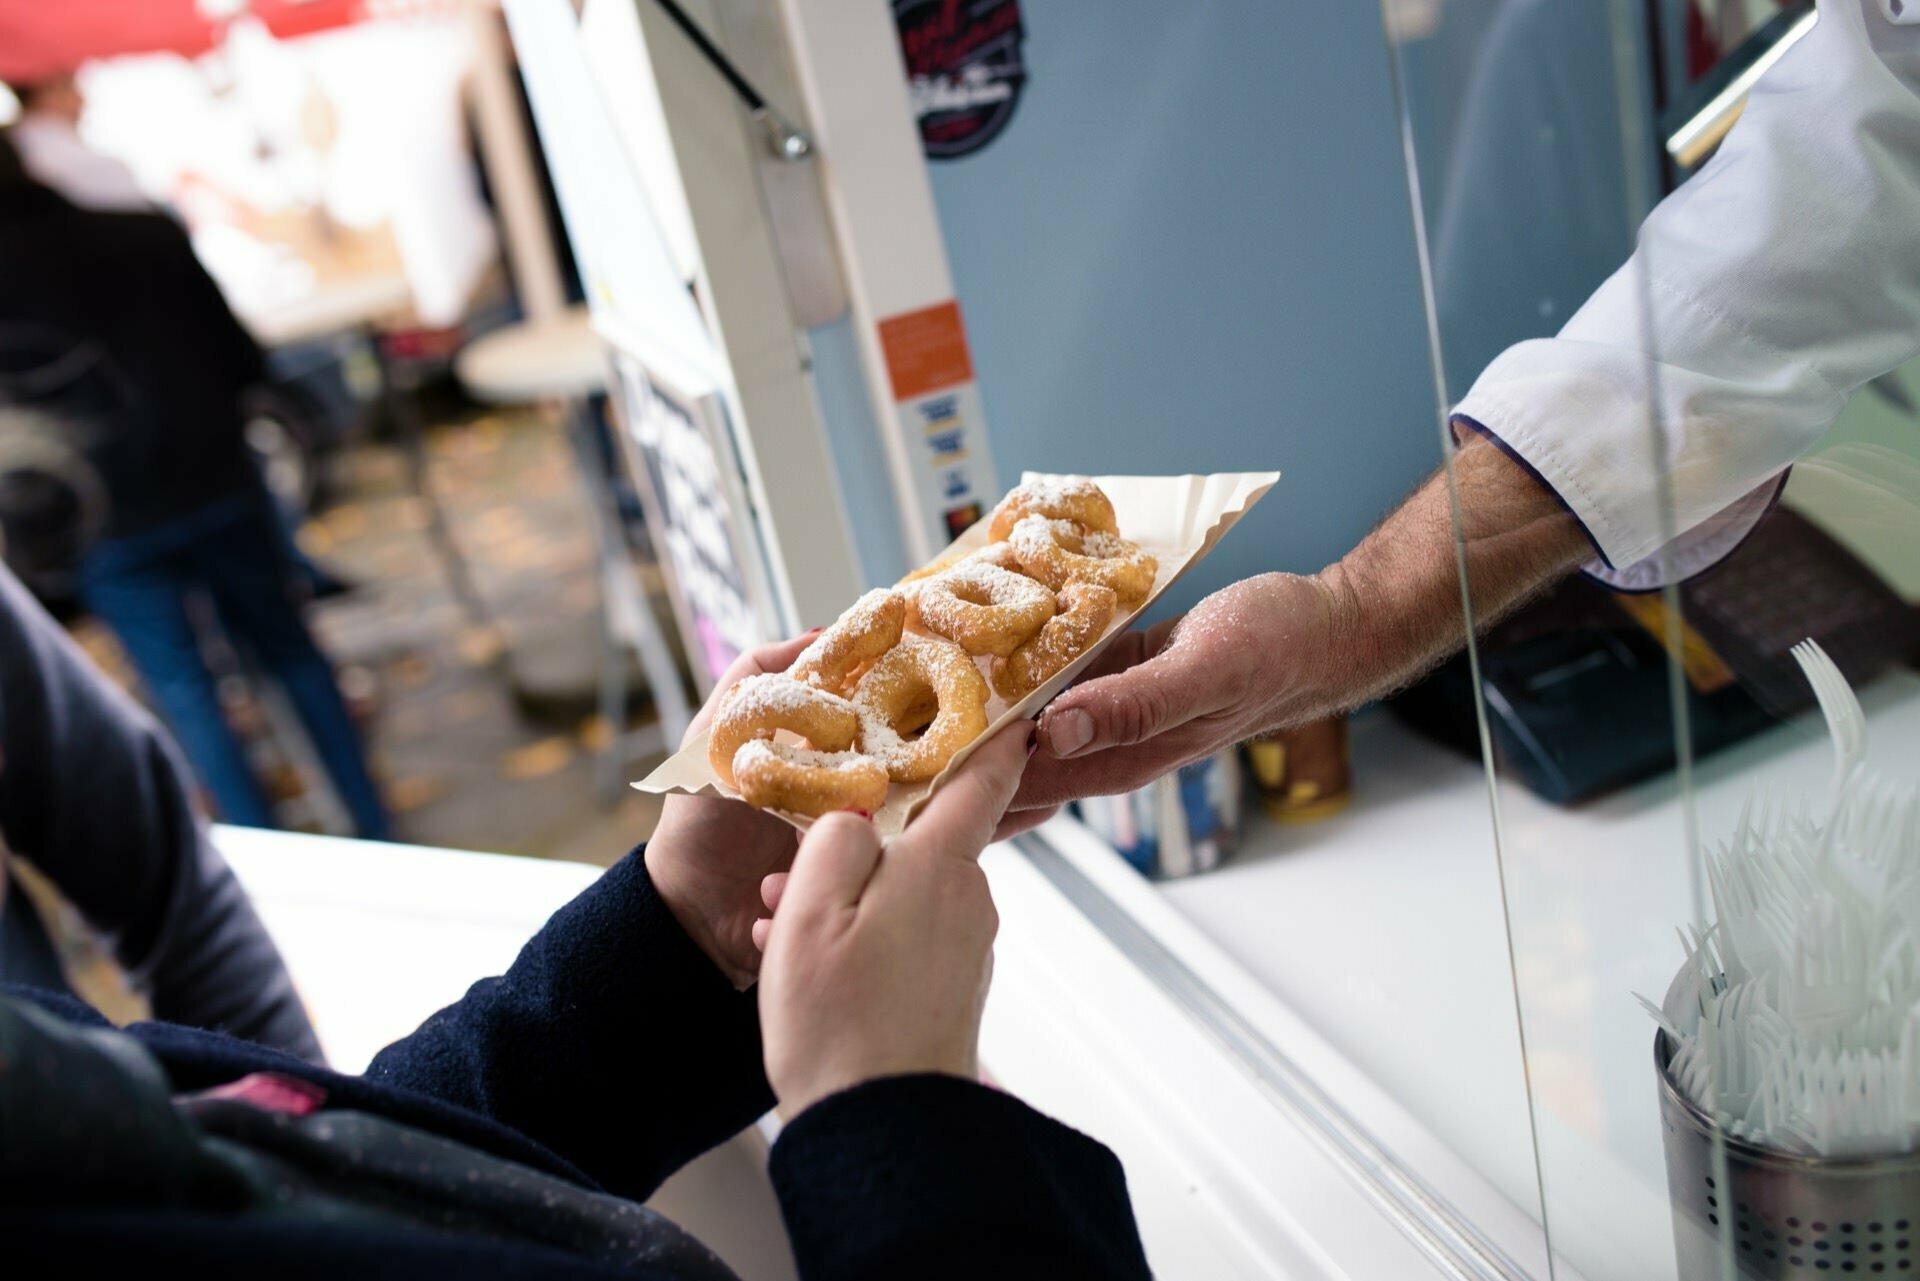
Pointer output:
x,y
1488,433
1779,490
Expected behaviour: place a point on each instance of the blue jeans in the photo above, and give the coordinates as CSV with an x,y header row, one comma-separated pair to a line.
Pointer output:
x,y
232,553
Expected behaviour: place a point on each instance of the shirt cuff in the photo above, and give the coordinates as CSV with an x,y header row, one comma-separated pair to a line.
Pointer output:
x,y
1694,552
935,1176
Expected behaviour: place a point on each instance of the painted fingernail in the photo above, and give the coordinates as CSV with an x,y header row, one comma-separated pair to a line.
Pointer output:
x,y
866,814
1068,732
813,631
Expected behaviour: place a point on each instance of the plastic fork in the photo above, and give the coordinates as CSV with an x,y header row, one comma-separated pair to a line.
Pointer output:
x,y
1845,721
1825,984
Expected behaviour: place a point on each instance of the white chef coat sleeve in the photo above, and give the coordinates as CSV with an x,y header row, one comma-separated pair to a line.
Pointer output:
x,y
1761,295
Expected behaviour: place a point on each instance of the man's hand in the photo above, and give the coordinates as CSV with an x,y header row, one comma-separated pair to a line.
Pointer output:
x,y
1247,660
709,855
877,964
1277,651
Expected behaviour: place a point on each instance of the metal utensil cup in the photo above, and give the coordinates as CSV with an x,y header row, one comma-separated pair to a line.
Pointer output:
x,y
1783,1217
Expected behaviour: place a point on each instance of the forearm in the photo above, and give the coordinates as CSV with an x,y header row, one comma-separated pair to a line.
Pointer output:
x,y
1396,599
934,1177
1761,295
612,1040
138,866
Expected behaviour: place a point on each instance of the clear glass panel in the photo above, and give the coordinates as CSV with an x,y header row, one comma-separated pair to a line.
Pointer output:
x,y
1532,155
1214,271
1633,716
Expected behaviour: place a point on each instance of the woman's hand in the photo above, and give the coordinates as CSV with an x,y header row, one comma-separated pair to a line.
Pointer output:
x,y
709,854
877,964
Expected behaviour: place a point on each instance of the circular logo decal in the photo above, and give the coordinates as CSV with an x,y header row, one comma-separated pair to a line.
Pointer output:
x,y
964,70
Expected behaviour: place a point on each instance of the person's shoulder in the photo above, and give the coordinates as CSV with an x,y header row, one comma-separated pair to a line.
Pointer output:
x,y
134,241
136,226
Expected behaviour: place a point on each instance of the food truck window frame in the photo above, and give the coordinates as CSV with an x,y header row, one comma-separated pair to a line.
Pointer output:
x,y
645,391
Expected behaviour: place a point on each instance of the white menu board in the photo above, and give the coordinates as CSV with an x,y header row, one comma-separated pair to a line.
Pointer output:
x,y
681,455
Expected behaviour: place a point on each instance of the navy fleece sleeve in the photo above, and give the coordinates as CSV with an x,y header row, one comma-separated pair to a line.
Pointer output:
x,y
96,795
612,1040
933,1177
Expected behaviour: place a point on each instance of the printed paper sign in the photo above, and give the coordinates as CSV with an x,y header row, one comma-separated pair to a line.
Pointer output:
x,y
937,408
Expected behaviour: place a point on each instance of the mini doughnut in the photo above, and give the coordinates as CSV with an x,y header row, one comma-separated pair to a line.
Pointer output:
x,y
1000,554
1057,553
835,659
993,554
779,776
1072,498
1085,611
922,681
760,705
982,608
940,566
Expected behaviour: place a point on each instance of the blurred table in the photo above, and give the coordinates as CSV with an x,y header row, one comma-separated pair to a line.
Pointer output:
x,y
349,305
535,360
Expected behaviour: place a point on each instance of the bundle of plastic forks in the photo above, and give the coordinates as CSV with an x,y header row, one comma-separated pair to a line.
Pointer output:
x,y
1796,1017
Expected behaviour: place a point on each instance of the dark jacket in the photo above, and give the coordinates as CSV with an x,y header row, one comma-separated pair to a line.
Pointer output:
x,y
609,1054
96,795
128,288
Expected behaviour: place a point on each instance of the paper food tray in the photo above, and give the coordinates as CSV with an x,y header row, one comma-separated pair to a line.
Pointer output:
x,y
1177,518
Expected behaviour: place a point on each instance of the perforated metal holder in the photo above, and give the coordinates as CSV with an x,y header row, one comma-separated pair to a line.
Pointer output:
x,y
1782,1217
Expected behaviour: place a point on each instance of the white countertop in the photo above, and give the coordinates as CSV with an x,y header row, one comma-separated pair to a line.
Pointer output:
x,y
378,936
1383,929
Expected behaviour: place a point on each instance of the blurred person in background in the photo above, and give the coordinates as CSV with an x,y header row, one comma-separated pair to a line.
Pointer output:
x,y
189,517
95,795
47,136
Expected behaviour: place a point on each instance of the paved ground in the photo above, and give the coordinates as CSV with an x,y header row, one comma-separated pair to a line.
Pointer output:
x,y
462,761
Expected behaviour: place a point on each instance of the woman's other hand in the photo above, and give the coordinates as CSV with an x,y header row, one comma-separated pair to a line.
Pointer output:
x,y
709,854
877,964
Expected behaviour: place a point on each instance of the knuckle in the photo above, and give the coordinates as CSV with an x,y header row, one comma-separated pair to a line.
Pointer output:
x,y
1138,713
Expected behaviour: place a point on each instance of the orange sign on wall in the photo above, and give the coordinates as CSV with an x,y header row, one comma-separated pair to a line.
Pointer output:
x,y
926,350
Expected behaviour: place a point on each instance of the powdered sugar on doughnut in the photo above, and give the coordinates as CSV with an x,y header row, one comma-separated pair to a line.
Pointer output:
x,y
764,749
1056,552
773,694
1000,586
1057,492
1073,498
983,608
879,739
920,663
859,636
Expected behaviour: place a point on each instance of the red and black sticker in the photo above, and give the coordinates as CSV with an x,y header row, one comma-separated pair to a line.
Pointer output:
x,y
961,519
964,70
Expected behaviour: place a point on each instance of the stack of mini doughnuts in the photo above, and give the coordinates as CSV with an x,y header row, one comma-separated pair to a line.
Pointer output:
x,y
892,690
